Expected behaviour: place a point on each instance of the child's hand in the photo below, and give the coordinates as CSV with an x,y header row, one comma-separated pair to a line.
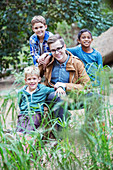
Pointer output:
x,y
44,59
60,92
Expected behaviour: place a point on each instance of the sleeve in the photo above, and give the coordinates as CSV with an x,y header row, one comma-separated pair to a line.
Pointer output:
x,y
33,52
99,60
83,79
49,90
73,50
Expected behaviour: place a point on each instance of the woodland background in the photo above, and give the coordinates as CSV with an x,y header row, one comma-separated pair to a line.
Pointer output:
x,y
66,17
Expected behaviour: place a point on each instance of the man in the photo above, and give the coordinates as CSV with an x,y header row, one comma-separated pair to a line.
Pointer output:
x,y
64,70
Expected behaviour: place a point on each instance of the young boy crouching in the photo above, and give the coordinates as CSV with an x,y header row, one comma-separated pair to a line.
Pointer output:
x,y
31,99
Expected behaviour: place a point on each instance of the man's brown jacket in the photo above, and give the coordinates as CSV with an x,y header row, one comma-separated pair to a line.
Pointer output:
x,y
78,78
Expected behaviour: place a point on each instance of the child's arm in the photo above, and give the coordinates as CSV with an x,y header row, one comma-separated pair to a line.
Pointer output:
x,y
37,59
44,59
73,50
99,60
33,53
58,90
35,47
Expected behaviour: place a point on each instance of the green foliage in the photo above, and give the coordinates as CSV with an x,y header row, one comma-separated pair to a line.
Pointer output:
x,y
15,18
65,31
82,144
109,3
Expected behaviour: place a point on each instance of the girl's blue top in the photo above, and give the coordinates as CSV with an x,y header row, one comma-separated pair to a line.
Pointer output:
x,y
92,61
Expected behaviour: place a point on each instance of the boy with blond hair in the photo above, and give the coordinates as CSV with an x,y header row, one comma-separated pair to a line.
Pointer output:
x,y
38,41
31,99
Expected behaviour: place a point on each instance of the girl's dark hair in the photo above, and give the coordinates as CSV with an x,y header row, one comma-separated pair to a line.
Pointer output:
x,y
82,31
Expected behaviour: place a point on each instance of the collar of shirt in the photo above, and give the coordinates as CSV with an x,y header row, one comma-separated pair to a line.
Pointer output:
x,y
59,73
46,36
33,91
63,64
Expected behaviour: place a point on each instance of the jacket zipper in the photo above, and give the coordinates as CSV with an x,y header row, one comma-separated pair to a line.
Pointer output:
x,y
31,97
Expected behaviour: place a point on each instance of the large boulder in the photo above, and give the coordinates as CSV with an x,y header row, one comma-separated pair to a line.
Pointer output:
x,y
104,44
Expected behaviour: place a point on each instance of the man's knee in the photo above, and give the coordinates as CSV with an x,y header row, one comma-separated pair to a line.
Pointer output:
x,y
53,98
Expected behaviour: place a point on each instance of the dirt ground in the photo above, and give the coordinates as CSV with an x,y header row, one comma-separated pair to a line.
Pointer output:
x,y
6,84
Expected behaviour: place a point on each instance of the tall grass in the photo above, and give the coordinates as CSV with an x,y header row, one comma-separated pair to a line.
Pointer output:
x,y
85,141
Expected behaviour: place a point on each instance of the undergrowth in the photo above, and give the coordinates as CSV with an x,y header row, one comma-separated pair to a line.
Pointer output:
x,y
84,141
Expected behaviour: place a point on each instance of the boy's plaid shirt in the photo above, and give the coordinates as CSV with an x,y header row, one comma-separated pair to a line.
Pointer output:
x,y
35,49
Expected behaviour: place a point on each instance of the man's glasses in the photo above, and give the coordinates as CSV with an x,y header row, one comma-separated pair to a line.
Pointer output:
x,y
58,49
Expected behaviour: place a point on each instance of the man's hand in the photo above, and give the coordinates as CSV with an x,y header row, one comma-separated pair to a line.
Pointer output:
x,y
60,92
59,84
44,59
